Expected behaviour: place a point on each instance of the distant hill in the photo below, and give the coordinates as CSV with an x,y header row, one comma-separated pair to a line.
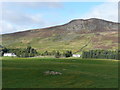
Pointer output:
x,y
89,33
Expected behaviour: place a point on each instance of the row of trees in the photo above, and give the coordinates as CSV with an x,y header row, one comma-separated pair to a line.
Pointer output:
x,y
31,52
21,52
105,54
57,54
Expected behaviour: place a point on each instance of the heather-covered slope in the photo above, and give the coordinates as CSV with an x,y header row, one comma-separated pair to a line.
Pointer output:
x,y
96,33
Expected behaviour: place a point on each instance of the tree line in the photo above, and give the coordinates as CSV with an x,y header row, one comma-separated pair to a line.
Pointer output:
x,y
31,52
57,54
103,54
20,52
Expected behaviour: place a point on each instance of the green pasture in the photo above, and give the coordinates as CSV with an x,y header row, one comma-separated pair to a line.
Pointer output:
x,y
76,73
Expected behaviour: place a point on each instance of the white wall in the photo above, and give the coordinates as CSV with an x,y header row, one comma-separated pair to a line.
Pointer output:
x,y
9,54
76,55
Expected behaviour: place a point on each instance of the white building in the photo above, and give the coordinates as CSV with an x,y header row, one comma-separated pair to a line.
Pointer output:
x,y
9,54
76,55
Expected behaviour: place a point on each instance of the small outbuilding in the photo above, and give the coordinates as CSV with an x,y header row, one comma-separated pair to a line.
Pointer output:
x,y
9,54
76,55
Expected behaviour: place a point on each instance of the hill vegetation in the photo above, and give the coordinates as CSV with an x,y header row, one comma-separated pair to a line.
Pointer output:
x,y
91,33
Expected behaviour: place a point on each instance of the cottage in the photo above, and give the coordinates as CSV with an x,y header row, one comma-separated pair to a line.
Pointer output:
x,y
76,55
9,54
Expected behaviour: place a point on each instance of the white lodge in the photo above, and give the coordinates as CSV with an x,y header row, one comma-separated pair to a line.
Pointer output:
x,y
9,54
76,55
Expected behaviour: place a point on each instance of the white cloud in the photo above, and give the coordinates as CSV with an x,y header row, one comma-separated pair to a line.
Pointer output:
x,y
60,0
14,21
6,27
31,0
112,0
15,18
32,5
107,11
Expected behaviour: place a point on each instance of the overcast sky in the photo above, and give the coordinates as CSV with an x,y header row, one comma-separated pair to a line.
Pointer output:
x,y
20,16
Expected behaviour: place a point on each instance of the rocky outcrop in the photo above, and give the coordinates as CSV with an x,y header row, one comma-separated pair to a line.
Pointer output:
x,y
92,24
51,72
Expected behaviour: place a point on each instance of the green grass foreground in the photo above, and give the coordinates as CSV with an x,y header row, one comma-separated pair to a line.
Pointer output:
x,y
76,73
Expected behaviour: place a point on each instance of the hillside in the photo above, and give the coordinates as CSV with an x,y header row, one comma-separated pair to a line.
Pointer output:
x,y
94,33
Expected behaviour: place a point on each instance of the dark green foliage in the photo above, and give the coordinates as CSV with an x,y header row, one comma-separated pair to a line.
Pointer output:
x,y
68,54
26,52
57,54
105,54
46,53
3,50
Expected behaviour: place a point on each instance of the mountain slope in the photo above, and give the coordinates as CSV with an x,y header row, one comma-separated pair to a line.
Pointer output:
x,y
71,36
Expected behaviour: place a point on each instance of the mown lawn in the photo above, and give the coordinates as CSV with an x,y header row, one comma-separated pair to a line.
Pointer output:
x,y
76,73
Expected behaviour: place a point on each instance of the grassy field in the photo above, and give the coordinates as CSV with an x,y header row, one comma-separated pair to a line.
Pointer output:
x,y
76,73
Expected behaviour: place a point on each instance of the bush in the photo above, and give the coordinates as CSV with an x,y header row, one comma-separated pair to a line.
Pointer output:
x,y
68,54
57,54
